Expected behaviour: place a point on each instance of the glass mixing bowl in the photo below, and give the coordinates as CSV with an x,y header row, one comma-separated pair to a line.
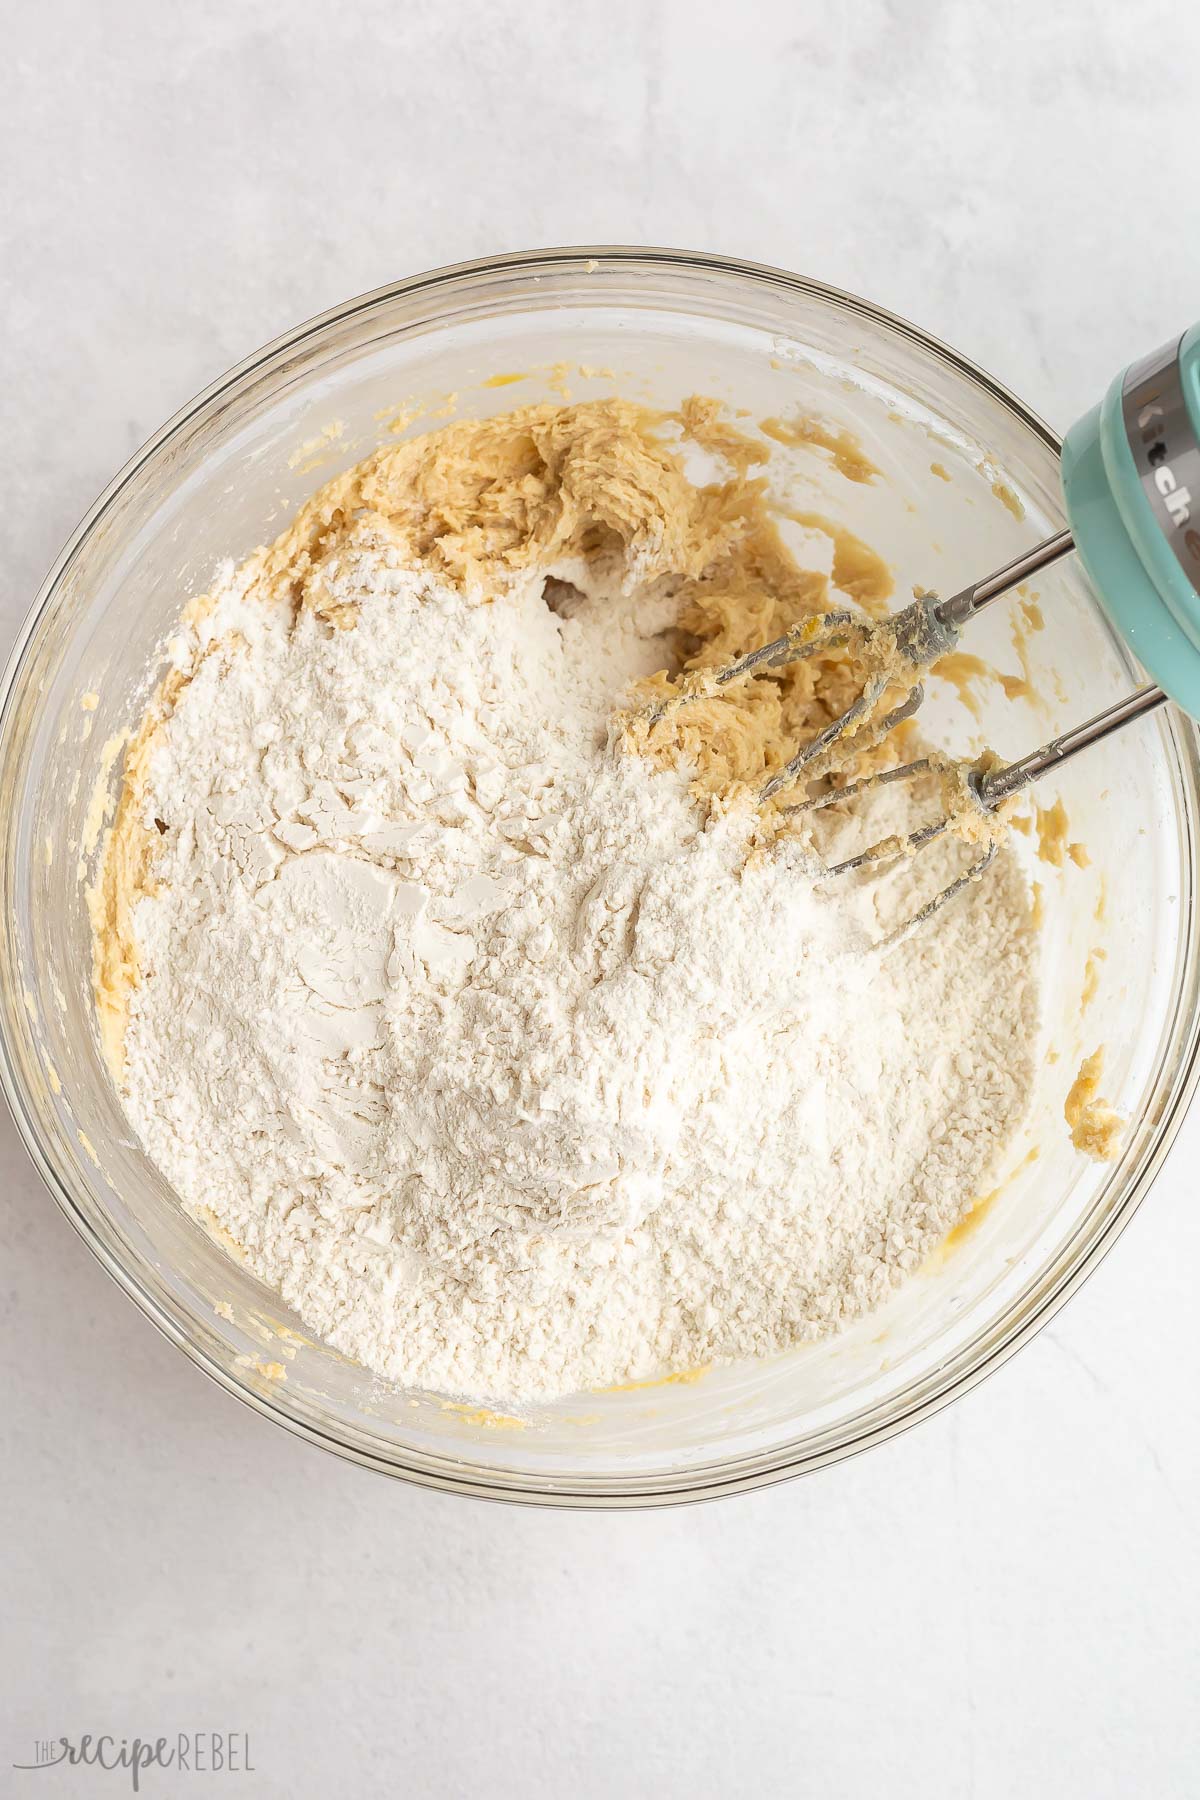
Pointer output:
x,y
970,477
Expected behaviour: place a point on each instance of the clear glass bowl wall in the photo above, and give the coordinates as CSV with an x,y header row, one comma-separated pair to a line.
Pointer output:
x,y
225,475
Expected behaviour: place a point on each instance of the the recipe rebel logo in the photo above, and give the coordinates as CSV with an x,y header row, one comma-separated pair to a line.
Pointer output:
x,y
186,1753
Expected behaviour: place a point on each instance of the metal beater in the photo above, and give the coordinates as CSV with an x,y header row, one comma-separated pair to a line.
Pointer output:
x,y
1131,485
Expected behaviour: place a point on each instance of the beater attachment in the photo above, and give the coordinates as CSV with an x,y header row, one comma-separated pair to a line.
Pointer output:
x,y
893,654
972,794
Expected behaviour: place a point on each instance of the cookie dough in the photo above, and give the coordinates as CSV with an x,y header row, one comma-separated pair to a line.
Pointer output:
x,y
1095,1127
577,489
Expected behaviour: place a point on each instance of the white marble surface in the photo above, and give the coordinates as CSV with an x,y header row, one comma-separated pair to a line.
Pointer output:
x,y
1002,1602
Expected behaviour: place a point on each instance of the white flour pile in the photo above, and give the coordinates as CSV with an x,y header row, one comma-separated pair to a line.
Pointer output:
x,y
512,1066
511,1077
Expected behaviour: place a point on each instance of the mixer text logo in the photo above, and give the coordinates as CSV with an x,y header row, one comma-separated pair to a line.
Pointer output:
x,y
187,1753
1176,499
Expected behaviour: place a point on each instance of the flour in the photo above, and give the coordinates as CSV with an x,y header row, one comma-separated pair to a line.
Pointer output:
x,y
518,1061
509,1067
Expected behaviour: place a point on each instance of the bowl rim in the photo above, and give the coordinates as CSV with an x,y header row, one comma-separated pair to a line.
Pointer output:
x,y
967,1367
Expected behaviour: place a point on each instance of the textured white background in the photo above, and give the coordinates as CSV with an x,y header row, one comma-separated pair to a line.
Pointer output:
x,y
1004,1601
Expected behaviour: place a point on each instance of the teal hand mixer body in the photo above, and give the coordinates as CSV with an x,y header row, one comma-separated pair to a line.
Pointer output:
x,y
1131,483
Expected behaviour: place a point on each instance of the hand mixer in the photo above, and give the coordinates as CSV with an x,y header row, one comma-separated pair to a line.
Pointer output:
x,y
1131,485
